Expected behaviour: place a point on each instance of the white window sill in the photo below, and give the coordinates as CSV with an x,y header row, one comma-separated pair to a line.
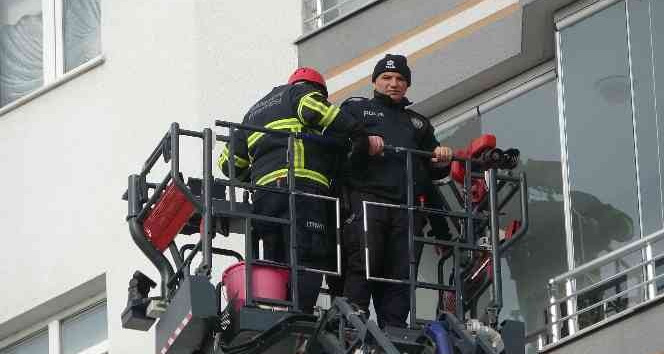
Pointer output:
x,y
82,69
101,348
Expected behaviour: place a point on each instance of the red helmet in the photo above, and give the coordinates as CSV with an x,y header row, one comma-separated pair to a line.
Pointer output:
x,y
307,74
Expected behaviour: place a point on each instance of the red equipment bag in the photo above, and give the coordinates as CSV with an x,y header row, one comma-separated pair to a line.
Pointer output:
x,y
168,216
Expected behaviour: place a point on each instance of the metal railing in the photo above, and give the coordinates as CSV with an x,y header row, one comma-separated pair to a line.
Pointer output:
x,y
565,309
318,13
140,204
468,241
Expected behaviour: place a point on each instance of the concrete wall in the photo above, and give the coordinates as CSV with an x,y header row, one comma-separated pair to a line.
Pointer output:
x,y
367,29
638,333
509,38
66,155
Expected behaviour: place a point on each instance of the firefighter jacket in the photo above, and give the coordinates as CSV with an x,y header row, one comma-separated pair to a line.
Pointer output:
x,y
262,157
385,176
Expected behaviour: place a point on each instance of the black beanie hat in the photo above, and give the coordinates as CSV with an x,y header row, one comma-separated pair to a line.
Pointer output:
x,y
394,63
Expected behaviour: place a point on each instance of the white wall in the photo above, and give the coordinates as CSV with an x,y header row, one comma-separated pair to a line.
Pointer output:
x,y
66,155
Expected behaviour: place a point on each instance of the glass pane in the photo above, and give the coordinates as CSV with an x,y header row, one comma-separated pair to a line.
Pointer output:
x,y
645,116
598,113
333,10
21,47
657,23
81,31
308,14
37,344
529,123
84,330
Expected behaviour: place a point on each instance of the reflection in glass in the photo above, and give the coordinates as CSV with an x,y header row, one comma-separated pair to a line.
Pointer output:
x,y
600,148
645,116
37,344
84,330
529,123
657,23
598,112
21,47
82,36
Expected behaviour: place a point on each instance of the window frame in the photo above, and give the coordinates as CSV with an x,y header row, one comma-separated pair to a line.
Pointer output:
x,y
53,327
53,54
495,97
318,17
563,19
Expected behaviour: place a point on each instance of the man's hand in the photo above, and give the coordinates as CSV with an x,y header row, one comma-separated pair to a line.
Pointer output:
x,y
442,154
376,145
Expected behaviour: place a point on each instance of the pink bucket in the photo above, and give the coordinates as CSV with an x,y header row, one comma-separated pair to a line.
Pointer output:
x,y
268,282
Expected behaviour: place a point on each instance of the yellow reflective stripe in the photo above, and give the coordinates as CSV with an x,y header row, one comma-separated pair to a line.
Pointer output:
x,y
220,161
279,123
313,175
299,172
329,117
272,176
239,161
286,123
253,138
314,104
298,152
311,103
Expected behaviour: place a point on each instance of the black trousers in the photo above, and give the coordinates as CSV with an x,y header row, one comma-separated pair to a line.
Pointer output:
x,y
314,246
387,233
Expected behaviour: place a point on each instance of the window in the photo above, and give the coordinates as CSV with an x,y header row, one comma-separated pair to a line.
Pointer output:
x,y
529,123
603,186
79,330
318,13
657,39
81,32
609,61
84,330
21,47
42,40
35,344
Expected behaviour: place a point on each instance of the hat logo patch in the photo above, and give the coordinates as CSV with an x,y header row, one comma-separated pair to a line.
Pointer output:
x,y
390,64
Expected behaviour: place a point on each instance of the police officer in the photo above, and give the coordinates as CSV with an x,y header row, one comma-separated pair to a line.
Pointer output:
x,y
387,120
299,106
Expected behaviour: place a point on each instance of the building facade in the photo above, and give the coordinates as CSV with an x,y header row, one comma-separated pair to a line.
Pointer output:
x,y
575,85
88,87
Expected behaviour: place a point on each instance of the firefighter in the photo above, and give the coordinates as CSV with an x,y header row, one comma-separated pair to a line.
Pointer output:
x,y
383,179
299,106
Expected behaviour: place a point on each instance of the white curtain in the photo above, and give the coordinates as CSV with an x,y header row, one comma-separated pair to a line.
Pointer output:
x,y
21,65
21,47
82,31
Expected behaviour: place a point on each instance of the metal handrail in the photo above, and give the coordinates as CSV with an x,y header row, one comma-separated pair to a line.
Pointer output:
x,y
553,327
609,257
610,298
607,280
321,13
468,242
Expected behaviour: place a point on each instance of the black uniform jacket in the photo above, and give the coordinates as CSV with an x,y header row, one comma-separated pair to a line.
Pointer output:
x,y
385,176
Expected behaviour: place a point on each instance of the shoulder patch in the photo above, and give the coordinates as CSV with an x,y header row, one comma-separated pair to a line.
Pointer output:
x,y
354,99
417,122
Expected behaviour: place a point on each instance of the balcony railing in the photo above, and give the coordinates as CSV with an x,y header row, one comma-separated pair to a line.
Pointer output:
x,y
317,14
578,301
